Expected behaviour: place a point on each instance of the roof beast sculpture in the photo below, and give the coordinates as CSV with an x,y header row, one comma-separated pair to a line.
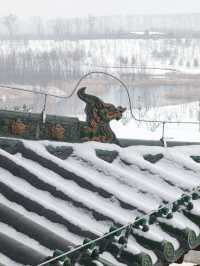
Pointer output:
x,y
98,117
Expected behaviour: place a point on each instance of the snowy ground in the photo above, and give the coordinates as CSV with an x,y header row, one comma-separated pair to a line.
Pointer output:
x,y
132,129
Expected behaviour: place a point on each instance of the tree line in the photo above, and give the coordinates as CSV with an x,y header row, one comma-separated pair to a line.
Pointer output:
x,y
177,26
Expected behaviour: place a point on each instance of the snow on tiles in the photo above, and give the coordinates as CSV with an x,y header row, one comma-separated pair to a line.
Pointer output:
x,y
85,193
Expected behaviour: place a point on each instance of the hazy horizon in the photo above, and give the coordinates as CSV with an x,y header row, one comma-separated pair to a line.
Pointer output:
x,y
75,8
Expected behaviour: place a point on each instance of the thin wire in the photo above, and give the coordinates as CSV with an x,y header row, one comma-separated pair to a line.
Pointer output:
x,y
121,82
87,245
129,99
72,92
139,67
30,91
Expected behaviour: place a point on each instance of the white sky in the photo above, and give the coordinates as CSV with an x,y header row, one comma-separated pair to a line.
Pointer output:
x,y
70,8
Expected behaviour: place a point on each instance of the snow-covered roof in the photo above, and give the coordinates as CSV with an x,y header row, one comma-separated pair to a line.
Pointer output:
x,y
53,195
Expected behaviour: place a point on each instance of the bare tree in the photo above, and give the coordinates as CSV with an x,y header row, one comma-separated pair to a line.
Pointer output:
x,y
10,22
91,24
58,27
39,27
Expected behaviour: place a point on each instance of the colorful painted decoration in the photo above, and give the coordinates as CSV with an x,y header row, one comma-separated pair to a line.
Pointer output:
x,y
57,132
17,127
98,117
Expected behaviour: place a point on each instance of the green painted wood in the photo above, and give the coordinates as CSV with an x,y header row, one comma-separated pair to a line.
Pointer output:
x,y
181,251
108,156
30,126
136,142
186,237
61,152
193,217
125,256
164,249
196,158
153,158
